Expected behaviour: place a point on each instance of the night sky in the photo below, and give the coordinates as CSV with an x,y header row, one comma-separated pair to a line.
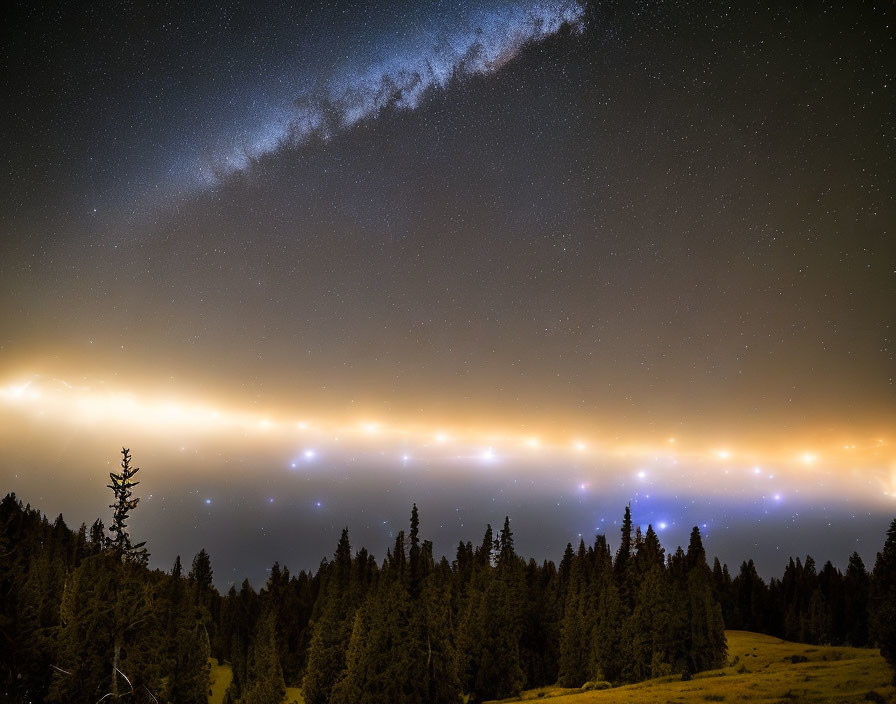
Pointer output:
x,y
313,262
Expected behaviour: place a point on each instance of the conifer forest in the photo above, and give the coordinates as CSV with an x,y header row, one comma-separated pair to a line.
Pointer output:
x,y
84,617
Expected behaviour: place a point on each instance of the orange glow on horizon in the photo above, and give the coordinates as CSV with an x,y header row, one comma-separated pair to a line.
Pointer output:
x,y
59,402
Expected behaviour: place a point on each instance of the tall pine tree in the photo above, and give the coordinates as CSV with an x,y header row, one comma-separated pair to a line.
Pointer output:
x,y
333,628
883,605
122,487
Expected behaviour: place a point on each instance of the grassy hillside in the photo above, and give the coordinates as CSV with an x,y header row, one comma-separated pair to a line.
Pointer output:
x,y
761,669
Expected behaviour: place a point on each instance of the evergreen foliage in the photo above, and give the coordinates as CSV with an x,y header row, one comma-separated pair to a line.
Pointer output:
x,y
188,681
122,489
77,607
332,629
857,594
883,610
264,682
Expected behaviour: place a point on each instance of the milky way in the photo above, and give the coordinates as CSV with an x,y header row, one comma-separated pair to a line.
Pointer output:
x,y
392,71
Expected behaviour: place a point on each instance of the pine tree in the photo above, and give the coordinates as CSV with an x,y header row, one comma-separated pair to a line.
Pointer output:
x,y
441,673
565,569
806,586
623,557
500,675
749,599
382,653
491,626
414,554
108,638
265,677
826,607
84,642
171,613
203,594
790,588
122,489
97,536
610,613
108,619
201,575
575,634
680,629
883,600
539,641
242,614
81,547
472,611
332,630
706,640
647,632
857,587
38,620
401,649
188,680
348,689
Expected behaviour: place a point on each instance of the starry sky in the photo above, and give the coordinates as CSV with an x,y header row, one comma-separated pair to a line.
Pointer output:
x,y
313,262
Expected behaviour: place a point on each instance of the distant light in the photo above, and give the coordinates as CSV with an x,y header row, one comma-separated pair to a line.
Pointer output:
x,y
672,441
271,500
302,425
208,501
583,486
580,446
405,458
309,455
777,497
16,391
533,443
642,474
663,525
370,428
488,455
808,458
264,424
318,504
723,454
757,470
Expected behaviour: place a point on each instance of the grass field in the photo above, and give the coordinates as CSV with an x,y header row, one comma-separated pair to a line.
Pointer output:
x,y
762,670
294,695
220,681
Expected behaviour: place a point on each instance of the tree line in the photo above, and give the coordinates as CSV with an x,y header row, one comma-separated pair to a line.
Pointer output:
x,y
82,617
826,607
